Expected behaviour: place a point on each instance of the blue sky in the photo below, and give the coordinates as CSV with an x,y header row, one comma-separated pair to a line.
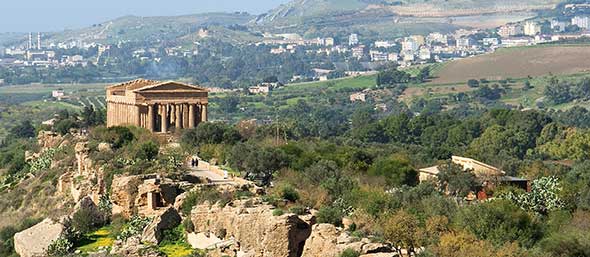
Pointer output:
x,y
56,15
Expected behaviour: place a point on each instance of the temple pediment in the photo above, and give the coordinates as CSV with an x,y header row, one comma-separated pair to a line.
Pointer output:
x,y
170,87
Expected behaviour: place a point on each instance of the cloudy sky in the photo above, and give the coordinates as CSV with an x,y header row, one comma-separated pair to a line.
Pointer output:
x,y
56,15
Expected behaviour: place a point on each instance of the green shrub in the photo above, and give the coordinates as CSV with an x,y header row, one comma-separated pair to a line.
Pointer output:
x,y
63,126
116,136
277,212
83,221
289,193
270,199
134,227
174,236
331,215
299,210
105,207
60,247
189,202
188,225
349,253
147,151
117,224
210,195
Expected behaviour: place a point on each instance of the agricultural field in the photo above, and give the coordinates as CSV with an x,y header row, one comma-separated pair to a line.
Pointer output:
x,y
76,95
519,62
35,102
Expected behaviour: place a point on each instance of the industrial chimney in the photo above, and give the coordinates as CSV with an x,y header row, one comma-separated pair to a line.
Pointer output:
x,y
30,46
39,41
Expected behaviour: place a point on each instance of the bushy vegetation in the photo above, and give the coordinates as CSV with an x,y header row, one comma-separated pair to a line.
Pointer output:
x,y
134,227
348,160
366,170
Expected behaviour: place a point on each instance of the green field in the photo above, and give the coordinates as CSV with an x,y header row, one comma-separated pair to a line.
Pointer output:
x,y
48,88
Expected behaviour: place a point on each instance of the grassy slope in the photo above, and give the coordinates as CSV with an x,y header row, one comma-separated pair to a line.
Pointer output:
x,y
517,63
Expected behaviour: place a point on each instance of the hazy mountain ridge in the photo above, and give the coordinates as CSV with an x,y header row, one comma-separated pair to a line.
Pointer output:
x,y
300,10
307,17
160,28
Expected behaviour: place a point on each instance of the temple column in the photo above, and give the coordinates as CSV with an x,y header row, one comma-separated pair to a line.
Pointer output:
x,y
137,113
164,119
172,114
204,112
178,117
191,115
151,118
185,116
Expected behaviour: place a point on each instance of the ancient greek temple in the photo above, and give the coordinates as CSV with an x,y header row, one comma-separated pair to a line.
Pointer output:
x,y
155,105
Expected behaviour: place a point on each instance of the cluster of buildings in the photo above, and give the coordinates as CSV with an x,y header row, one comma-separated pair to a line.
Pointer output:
x,y
534,32
435,47
370,54
406,51
40,54
35,53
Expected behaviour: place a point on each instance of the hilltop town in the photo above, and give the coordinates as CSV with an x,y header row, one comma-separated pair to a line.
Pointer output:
x,y
326,57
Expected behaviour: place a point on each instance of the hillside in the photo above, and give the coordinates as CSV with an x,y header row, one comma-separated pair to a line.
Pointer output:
x,y
395,18
517,63
301,10
443,8
154,29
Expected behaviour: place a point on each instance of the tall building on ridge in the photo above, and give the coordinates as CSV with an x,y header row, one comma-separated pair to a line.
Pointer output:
x,y
581,21
531,28
353,39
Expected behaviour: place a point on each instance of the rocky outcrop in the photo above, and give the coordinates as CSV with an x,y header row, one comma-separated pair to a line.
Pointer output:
x,y
34,241
49,139
86,179
330,241
203,240
145,195
87,206
253,228
104,147
124,193
153,233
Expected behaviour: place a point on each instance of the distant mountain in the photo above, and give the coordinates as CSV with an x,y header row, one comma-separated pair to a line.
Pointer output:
x,y
310,18
155,29
297,12
392,18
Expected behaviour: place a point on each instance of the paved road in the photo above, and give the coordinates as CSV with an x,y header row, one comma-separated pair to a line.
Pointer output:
x,y
209,175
